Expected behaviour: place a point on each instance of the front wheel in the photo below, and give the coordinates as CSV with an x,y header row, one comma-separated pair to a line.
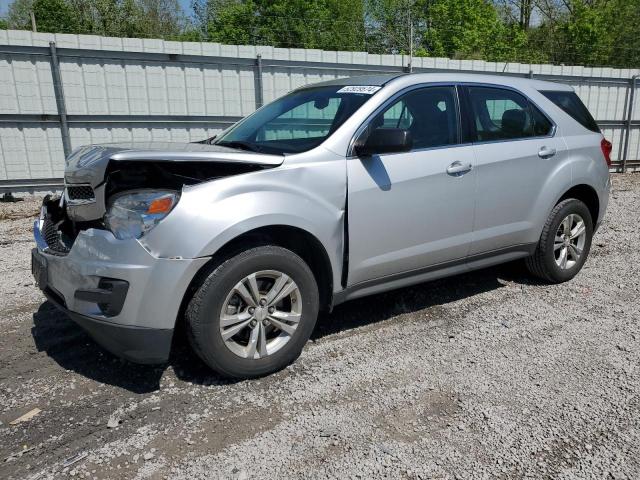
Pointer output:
x,y
564,244
254,313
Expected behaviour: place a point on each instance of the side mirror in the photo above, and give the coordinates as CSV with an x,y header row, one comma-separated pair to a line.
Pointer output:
x,y
385,140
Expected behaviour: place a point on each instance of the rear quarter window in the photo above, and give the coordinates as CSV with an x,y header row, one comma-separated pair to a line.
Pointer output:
x,y
571,104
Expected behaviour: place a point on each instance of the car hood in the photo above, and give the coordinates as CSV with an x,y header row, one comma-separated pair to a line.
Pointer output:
x,y
87,165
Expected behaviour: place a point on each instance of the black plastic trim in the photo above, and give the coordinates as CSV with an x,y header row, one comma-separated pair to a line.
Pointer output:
x,y
466,115
136,344
342,296
110,295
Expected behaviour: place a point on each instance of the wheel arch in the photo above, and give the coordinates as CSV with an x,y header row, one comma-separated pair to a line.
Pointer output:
x,y
586,194
300,241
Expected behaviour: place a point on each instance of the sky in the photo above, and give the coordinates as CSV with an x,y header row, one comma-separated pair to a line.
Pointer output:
x,y
186,5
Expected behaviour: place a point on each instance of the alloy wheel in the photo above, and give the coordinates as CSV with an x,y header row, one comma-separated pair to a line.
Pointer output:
x,y
260,314
569,241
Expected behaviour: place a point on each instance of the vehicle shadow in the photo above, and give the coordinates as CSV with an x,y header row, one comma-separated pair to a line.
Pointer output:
x,y
376,308
67,344
377,171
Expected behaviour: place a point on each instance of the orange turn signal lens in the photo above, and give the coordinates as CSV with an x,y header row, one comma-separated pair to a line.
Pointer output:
x,y
160,205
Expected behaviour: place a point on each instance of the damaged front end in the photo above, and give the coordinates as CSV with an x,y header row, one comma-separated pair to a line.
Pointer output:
x,y
96,177
89,260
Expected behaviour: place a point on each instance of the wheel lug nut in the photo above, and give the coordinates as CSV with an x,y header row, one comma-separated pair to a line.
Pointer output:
x,y
253,323
265,322
252,310
272,309
263,302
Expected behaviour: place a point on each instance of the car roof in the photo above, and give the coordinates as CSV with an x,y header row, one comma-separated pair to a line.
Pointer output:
x,y
414,78
373,80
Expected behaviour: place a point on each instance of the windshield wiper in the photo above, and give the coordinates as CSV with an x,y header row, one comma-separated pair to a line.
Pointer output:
x,y
251,147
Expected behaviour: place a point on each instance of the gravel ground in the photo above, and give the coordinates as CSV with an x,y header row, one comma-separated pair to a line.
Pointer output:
x,y
485,375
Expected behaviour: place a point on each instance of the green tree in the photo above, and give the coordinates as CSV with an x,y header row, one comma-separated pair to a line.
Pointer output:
x,y
159,18
588,32
4,24
587,36
470,29
125,18
18,15
626,39
328,24
55,16
389,22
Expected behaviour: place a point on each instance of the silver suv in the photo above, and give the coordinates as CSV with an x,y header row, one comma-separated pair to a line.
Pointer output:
x,y
335,191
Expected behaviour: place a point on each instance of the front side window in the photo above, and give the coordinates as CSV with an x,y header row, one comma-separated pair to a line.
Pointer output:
x,y
500,114
428,113
297,122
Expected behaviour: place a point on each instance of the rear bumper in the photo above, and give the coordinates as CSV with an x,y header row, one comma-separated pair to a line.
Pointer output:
x,y
604,201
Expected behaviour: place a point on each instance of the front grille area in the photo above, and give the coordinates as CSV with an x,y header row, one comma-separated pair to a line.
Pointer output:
x,y
53,237
80,193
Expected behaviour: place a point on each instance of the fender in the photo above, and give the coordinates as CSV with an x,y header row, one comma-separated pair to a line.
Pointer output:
x,y
580,167
558,181
211,214
588,166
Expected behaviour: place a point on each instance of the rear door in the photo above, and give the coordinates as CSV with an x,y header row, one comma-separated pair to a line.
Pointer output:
x,y
515,150
412,210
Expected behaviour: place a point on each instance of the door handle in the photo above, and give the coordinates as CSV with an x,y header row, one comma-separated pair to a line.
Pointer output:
x,y
458,168
546,152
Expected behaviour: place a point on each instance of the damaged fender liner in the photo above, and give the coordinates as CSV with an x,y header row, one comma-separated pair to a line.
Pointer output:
x,y
122,175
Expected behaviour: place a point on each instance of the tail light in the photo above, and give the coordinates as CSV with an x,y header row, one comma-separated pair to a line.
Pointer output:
x,y
606,147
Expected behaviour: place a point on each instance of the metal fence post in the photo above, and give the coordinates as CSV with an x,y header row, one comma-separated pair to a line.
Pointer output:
x,y
258,83
627,136
59,93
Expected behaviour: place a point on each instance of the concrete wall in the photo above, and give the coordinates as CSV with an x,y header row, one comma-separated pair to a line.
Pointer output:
x,y
194,90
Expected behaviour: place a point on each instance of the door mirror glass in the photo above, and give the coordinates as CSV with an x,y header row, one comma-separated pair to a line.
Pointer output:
x,y
385,140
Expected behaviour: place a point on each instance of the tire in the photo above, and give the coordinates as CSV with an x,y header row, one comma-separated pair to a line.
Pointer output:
x,y
544,262
219,290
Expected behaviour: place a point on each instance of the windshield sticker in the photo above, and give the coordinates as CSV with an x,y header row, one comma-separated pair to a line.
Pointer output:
x,y
366,89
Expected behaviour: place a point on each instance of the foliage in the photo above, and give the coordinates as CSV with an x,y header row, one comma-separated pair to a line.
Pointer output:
x,y
18,15
328,24
55,16
470,29
126,18
588,32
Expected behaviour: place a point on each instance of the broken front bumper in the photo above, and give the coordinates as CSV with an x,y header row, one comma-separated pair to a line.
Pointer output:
x,y
126,298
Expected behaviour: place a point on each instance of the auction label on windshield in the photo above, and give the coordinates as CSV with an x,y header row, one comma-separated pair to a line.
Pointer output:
x,y
366,89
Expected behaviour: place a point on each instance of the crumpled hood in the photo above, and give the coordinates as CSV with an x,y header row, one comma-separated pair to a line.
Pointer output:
x,y
87,165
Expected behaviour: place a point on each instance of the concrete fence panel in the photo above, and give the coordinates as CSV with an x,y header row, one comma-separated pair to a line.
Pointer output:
x,y
121,89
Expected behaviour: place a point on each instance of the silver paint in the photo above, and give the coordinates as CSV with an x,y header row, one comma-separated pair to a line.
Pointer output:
x,y
405,212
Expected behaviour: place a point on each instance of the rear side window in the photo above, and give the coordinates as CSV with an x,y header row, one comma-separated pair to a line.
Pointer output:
x,y
500,114
571,104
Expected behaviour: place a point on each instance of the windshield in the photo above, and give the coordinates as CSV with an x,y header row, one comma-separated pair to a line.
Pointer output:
x,y
297,122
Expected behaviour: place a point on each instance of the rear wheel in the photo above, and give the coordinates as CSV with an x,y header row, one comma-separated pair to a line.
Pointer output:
x,y
254,313
564,244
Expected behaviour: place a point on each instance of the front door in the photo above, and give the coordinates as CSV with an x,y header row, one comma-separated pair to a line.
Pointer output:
x,y
408,211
